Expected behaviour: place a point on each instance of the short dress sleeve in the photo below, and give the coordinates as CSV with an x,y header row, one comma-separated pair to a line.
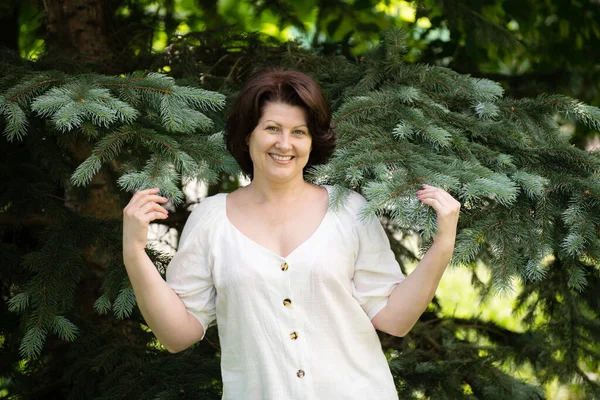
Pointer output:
x,y
376,271
189,273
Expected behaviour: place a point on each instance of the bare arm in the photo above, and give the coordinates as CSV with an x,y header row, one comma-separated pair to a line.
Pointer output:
x,y
164,312
411,297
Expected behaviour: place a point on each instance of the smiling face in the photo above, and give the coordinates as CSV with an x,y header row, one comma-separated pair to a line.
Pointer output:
x,y
280,144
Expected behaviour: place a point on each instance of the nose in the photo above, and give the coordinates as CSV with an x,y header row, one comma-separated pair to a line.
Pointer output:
x,y
283,142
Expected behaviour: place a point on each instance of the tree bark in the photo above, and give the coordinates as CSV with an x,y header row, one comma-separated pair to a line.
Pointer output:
x,y
76,30
10,29
212,18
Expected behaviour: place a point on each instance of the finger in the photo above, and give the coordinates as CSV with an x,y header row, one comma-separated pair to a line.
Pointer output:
x,y
433,203
146,191
151,206
145,198
444,206
437,194
448,198
139,194
155,215
145,214
426,186
436,204
429,188
154,198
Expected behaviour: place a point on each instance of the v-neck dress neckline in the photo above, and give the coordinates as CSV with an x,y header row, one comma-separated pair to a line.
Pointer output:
x,y
266,249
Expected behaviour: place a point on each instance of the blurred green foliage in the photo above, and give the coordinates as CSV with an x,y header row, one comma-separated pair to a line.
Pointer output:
x,y
529,46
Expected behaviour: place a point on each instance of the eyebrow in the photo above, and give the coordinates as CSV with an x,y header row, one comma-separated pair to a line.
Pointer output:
x,y
277,123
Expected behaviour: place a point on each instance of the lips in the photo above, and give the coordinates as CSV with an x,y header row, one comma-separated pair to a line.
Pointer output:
x,y
277,157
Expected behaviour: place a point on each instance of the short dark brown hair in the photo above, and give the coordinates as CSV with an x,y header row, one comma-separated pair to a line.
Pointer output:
x,y
278,85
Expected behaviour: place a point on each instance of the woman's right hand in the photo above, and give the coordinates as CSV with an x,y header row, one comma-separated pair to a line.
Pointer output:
x,y
142,209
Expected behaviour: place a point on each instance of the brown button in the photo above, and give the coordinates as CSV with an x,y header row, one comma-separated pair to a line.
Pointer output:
x,y
300,374
284,266
287,302
293,336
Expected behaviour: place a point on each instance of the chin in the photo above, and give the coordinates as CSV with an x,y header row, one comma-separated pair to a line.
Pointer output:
x,y
282,176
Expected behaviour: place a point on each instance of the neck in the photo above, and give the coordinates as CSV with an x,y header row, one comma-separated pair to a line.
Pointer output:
x,y
266,191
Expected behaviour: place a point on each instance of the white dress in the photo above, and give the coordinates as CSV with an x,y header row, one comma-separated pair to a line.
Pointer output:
x,y
298,327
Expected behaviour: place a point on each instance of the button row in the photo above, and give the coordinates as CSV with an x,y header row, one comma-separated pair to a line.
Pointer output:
x,y
293,335
286,302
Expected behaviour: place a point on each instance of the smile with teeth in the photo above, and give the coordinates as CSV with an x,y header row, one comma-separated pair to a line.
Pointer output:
x,y
281,158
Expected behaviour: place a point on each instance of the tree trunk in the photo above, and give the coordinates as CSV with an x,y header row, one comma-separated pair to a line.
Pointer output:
x,y
212,18
9,21
76,30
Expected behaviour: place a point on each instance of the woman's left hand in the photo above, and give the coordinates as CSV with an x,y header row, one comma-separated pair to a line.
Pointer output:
x,y
446,207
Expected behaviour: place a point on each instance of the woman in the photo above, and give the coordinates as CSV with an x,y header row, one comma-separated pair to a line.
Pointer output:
x,y
297,289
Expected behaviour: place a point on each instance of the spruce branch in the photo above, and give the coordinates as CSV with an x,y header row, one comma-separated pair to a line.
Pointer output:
x,y
16,127
485,90
158,172
86,170
533,185
19,302
589,115
33,342
70,105
102,305
124,303
64,328
394,41
487,110
22,93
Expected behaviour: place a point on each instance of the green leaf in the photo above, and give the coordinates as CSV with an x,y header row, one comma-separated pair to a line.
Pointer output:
x,y
403,130
532,185
69,117
408,94
574,243
438,137
33,342
98,113
64,328
124,303
199,98
102,305
50,102
486,90
577,278
16,121
86,170
487,110
19,302
123,111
